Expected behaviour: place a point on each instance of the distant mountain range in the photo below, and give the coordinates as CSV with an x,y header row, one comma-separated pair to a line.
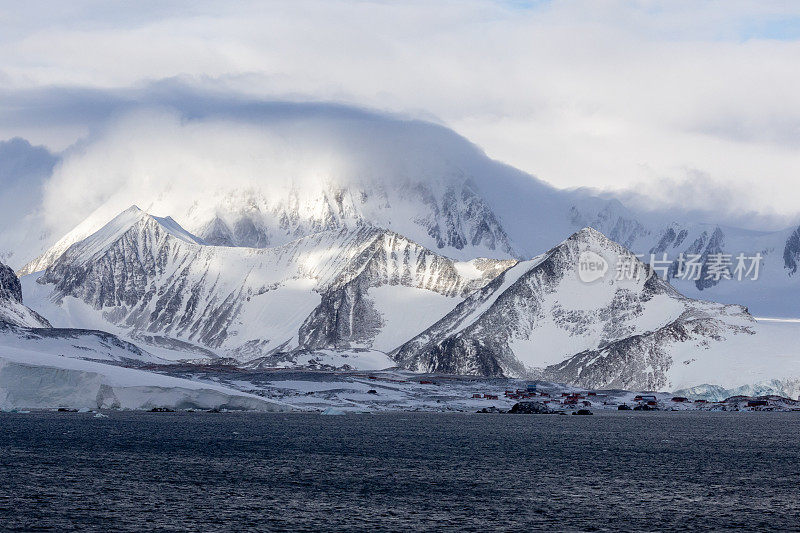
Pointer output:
x,y
447,262
413,178
361,296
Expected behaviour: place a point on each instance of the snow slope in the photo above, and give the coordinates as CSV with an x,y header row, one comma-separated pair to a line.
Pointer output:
x,y
76,343
770,353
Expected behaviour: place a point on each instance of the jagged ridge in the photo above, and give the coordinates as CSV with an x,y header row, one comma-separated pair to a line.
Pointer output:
x,y
538,314
153,278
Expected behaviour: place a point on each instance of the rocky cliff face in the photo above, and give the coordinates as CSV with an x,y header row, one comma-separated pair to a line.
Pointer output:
x,y
12,310
10,288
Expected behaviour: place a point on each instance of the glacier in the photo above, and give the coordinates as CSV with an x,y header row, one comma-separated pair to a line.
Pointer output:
x,y
30,379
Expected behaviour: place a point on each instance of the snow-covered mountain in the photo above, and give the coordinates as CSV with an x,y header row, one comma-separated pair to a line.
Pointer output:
x,y
766,290
513,218
368,297
451,217
147,278
627,329
310,169
335,240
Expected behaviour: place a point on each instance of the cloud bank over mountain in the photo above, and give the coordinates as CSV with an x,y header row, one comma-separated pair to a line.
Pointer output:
x,y
618,95
147,155
176,150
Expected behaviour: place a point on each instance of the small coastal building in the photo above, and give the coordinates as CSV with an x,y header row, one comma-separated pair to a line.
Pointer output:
x,y
645,398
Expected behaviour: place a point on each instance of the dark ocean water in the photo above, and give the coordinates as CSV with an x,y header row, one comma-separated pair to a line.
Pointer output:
x,y
208,472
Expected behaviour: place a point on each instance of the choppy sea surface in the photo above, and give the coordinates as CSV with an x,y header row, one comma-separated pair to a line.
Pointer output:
x,y
302,472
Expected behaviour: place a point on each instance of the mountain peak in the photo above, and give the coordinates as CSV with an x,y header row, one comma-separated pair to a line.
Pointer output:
x,y
133,209
94,236
590,235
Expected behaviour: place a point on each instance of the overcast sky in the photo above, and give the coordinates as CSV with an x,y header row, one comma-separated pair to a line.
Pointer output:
x,y
694,103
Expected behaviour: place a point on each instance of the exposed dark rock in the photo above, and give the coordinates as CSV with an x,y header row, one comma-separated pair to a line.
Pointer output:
x,y
531,408
10,287
791,252
491,410
715,246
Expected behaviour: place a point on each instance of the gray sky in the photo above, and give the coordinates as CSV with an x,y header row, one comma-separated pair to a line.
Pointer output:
x,y
694,103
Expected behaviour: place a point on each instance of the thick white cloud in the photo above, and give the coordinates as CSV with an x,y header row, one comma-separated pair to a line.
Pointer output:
x,y
166,164
649,95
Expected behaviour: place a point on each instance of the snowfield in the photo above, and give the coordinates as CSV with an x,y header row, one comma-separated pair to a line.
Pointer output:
x,y
767,358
